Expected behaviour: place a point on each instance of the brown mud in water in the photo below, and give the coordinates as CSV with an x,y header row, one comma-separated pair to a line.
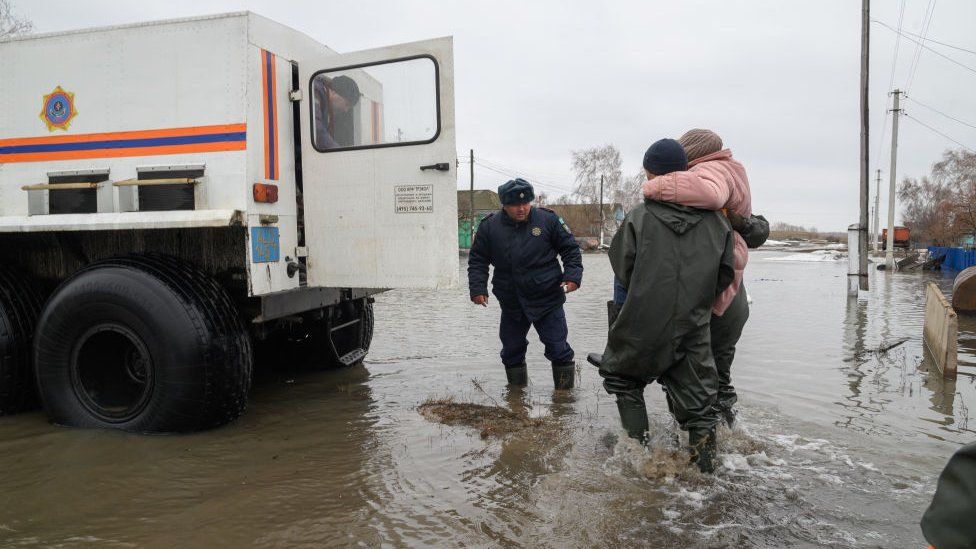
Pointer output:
x,y
490,421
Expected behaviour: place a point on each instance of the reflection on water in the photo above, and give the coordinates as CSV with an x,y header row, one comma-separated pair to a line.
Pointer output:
x,y
842,435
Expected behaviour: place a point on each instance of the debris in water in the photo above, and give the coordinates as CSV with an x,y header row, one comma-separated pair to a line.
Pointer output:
x,y
491,421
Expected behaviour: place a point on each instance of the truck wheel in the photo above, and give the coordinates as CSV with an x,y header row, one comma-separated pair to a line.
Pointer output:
x,y
142,343
19,305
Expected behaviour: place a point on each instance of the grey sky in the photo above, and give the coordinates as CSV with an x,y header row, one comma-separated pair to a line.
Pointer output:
x,y
776,79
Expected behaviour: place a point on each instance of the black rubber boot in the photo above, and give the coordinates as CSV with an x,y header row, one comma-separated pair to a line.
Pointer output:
x,y
564,374
613,311
633,417
703,446
595,359
518,375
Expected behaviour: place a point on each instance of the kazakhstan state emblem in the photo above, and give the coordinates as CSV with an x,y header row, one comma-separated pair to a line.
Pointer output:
x,y
58,110
536,231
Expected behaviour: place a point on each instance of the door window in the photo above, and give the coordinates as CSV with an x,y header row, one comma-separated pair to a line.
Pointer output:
x,y
385,104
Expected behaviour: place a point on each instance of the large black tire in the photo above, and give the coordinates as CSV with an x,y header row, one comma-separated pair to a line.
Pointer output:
x,y
143,343
19,306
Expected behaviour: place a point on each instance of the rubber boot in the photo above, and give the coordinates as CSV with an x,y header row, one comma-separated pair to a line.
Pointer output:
x,y
564,374
613,311
728,415
595,359
703,446
518,375
633,417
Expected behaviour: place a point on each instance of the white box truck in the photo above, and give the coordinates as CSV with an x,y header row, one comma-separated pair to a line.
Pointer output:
x,y
176,196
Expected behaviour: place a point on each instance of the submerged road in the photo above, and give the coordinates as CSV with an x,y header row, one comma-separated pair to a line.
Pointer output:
x,y
839,445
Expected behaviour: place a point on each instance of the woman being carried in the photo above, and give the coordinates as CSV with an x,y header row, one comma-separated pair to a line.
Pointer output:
x,y
714,180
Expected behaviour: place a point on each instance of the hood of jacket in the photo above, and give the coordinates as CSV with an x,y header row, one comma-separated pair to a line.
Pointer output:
x,y
680,219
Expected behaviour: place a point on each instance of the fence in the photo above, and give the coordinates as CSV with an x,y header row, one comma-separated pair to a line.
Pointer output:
x,y
956,259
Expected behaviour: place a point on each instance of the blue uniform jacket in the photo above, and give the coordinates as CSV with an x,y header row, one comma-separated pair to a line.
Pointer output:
x,y
527,273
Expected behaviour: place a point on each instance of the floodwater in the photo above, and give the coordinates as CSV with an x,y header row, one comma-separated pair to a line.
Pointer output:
x,y
838,445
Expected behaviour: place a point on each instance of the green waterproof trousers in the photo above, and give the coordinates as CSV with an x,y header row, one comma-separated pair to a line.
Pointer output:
x,y
725,331
691,383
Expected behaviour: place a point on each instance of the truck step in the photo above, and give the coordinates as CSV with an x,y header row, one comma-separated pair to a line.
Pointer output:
x,y
352,357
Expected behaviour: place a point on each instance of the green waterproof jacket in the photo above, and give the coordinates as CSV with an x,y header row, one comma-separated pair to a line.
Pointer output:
x,y
674,260
950,521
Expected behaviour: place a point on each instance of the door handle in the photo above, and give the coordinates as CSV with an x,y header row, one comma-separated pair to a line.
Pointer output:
x,y
441,167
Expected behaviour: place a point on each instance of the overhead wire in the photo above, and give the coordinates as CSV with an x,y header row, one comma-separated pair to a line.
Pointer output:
x,y
926,23
933,109
509,170
509,173
923,46
934,41
919,122
891,82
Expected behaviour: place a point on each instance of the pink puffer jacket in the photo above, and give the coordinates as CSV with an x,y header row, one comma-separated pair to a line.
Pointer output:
x,y
712,182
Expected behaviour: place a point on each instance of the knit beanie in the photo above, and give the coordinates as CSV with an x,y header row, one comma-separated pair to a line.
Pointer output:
x,y
665,156
700,142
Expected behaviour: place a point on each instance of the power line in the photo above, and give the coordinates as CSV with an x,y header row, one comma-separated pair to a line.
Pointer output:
x,y
509,173
926,22
917,121
548,175
933,109
940,54
508,170
891,83
925,39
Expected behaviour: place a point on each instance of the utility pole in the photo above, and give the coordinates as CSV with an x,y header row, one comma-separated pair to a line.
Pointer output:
x,y
875,239
890,243
602,221
471,205
862,233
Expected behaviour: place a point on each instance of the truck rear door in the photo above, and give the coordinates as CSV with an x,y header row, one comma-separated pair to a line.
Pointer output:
x,y
379,167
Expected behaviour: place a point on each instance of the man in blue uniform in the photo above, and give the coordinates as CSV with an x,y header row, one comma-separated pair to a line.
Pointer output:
x,y
522,243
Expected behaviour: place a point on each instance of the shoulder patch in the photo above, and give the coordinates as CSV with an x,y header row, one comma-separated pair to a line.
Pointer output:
x,y
565,226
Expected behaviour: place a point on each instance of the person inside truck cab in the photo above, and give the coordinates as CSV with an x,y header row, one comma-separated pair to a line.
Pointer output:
x,y
333,101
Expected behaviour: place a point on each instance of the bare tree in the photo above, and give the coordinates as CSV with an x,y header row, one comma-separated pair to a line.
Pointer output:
x,y
10,24
928,210
589,165
941,208
957,171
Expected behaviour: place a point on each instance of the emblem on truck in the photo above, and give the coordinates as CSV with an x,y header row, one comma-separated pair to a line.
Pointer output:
x,y
58,109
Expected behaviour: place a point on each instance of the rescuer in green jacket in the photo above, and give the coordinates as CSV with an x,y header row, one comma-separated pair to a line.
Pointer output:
x,y
673,260
948,523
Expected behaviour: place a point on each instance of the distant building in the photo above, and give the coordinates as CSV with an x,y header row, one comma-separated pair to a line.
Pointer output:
x,y
584,221
485,202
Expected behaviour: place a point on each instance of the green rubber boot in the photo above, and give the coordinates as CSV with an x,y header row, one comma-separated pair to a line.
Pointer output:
x,y
518,375
703,447
564,374
633,417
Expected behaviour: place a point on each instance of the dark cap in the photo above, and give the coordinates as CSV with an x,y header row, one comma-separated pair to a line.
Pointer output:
x,y
516,191
347,88
665,156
